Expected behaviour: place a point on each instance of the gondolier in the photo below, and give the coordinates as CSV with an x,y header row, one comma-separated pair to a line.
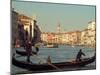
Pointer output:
x,y
28,50
79,55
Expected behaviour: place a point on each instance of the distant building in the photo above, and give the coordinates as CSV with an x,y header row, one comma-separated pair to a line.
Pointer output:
x,y
91,25
92,33
85,37
44,36
74,37
88,36
65,38
49,37
62,38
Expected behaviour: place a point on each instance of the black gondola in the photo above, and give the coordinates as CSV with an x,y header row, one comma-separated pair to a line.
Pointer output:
x,y
45,66
24,53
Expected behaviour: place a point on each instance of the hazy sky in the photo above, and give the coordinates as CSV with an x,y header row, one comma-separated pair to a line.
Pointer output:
x,y
70,17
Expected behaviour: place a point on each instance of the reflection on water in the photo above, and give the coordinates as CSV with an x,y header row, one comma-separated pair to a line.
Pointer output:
x,y
61,54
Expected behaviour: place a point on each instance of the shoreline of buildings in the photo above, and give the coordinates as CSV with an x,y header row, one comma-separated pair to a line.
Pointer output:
x,y
86,37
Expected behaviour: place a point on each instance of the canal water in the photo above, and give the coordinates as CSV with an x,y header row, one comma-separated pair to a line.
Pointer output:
x,y
61,54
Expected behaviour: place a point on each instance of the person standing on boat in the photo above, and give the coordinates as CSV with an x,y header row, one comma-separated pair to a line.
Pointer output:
x,y
28,50
26,37
79,55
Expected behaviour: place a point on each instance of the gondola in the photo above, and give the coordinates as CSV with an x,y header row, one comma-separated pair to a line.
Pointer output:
x,y
24,53
45,66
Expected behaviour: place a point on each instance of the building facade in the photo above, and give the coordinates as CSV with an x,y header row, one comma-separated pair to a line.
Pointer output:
x,y
28,23
85,37
14,26
62,38
88,36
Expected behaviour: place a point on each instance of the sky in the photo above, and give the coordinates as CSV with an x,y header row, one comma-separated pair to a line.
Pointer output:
x,y
50,15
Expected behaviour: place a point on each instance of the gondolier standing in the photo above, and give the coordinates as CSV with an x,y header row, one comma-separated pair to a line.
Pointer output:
x,y
28,50
79,55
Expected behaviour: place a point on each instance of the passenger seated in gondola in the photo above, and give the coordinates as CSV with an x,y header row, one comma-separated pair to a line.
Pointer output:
x,y
79,55
28,50
48,59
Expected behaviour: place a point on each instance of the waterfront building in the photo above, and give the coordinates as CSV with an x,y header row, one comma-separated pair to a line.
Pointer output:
x,y
44,36
65,38
91,25
88,36
74,37
92,33
62,38
14,25
50,38
22,25
28,23
84,37
56,38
